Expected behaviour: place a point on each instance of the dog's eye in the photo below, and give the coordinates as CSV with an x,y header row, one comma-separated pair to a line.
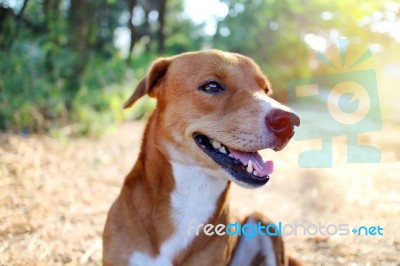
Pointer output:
x,y
211,87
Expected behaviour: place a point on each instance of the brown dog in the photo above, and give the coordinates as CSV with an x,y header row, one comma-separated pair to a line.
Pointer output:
x,y
212,116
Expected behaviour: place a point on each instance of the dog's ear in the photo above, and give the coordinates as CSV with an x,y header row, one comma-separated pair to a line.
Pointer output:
x,y
150,82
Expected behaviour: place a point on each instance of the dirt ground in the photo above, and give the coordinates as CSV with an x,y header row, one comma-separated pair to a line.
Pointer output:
x,y
54,196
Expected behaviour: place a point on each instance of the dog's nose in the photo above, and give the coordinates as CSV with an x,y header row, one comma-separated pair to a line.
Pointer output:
x,y
282,122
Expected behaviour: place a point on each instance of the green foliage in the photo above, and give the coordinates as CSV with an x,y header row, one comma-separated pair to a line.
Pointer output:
x,y
26,91
268,32
46,83
183,35
273,32
59,68
33,102
32,94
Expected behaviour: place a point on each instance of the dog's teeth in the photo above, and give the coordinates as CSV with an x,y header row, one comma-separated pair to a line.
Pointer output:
x,y
255,172
223,150
216,144
250,166
230,155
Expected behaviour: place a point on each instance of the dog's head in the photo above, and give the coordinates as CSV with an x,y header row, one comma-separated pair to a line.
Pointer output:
x,y
213,111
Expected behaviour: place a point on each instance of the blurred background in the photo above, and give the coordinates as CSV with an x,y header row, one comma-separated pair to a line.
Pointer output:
x,y
71,64
67,66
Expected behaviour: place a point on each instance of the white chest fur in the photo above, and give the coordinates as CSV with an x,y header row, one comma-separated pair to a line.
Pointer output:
x,y
193,199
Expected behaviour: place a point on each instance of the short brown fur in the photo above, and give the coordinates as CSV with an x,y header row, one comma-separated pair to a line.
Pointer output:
x,y
182,110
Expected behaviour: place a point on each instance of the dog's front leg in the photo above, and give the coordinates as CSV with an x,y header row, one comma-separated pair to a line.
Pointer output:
x,y
255,249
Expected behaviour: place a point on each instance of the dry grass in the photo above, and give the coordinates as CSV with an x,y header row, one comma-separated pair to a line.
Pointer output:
x,y
54,196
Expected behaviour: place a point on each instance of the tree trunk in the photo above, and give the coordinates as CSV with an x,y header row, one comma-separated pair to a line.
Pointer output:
x,y
132,4
79,43
21,12
161,22
147,30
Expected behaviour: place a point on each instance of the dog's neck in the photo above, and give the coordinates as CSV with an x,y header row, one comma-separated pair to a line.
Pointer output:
x,y
175,195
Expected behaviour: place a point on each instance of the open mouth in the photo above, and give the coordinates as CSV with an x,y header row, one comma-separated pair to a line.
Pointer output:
x,y
245,167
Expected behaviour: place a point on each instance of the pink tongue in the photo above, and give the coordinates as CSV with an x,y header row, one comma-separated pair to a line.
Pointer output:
x,y
262,167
